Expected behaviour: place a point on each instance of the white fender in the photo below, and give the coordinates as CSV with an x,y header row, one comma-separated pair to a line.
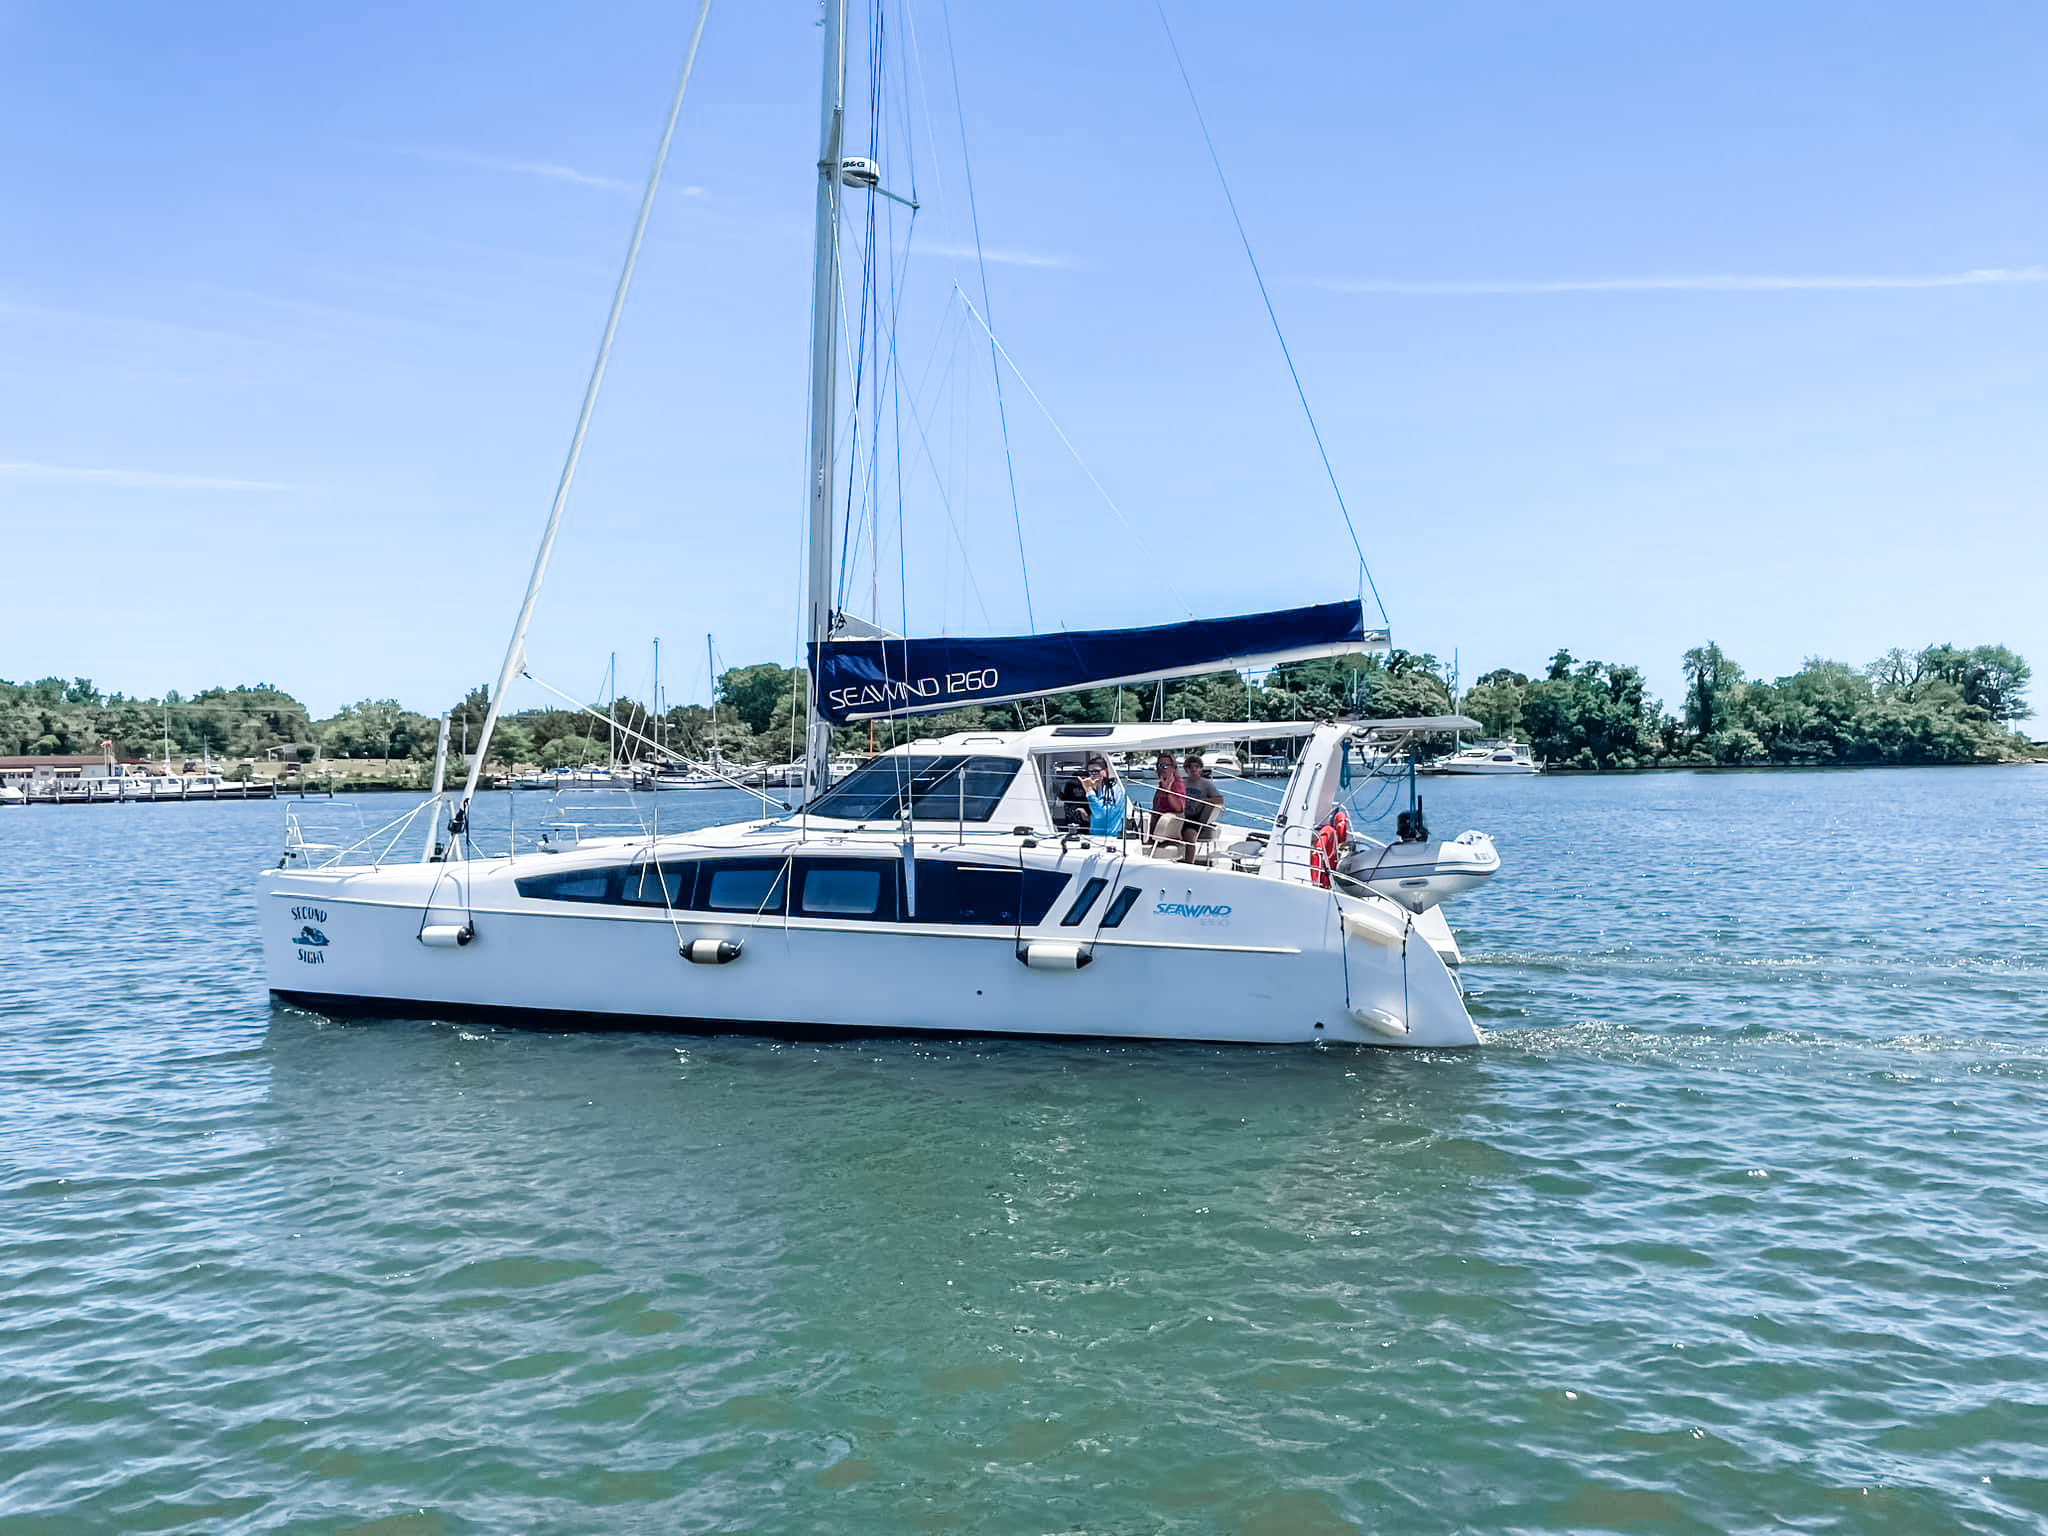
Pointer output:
x,y
1054,955
1380,1022
446,935
711,951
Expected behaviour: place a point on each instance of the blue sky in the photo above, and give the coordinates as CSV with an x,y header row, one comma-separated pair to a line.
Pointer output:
x,y
1626,328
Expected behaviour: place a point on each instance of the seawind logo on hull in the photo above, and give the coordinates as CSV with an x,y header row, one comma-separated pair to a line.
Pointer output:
x,y
1186,909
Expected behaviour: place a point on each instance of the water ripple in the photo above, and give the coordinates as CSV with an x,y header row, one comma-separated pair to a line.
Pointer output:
x,y
1733,1224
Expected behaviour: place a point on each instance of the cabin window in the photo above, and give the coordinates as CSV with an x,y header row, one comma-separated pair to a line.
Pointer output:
x,y
666,885
848,888
932,787
573,885
1082,903
987,895
1121,907
754,886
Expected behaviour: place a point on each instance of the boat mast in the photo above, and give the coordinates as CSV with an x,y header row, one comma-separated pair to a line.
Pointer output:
x,y
432,850
824,366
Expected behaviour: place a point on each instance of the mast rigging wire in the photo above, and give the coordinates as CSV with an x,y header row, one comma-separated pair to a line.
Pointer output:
x,y
981,263
1314,430
1053,422
515,651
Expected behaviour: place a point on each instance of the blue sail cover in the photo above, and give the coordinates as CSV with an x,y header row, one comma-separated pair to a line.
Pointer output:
x,y
870,679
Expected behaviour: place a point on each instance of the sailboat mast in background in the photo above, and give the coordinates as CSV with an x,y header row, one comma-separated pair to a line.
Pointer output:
x,y
824,365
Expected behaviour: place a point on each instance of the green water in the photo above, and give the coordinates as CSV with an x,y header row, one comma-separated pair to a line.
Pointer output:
x,y
1735,1224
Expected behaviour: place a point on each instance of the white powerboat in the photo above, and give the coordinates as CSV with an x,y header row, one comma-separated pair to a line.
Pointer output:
x,y
1490,757
670,776
942,887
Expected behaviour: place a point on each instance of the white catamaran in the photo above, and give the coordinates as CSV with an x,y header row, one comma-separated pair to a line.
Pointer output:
x,y
955,885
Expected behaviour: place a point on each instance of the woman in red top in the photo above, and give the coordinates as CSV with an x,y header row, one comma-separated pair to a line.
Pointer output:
x,y
1169,808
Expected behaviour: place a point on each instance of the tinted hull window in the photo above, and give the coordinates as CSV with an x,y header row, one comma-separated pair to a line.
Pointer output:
x,y
862,889
750,886
573,885
1121,907
671,885
987,895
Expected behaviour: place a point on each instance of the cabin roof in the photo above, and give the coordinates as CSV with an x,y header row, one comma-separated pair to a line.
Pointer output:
x,y
1416,725
1128,737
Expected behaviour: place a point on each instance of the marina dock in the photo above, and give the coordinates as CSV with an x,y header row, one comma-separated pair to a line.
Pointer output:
x,y
139,792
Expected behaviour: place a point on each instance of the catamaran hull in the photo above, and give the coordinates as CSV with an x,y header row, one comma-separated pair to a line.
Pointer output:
x,y
1276,963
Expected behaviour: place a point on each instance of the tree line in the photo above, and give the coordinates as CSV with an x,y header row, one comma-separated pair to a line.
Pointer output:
x,y
1941,704
55,717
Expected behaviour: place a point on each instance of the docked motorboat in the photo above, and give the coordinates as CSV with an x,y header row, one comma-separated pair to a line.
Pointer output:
x,y
547,779
673,776
1489,757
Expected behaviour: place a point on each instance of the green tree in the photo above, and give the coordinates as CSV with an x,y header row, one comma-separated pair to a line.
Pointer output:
x,y
1990,677
1811,714
1710,677
1495,701
1405,685
1894,672
1597,716
511,744
572,752
756,693
378,728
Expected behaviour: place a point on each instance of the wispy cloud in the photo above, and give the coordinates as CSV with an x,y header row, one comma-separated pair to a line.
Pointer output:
x,y
547,170
1729,283
134,479
1004,258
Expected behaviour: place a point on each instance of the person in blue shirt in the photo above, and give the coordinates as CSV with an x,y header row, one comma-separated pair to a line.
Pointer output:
x,y
1106,799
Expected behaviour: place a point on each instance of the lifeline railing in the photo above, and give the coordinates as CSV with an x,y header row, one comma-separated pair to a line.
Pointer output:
x,y
1372,772
565,821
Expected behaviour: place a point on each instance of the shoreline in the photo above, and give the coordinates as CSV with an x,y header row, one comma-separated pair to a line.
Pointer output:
x,y
1568,772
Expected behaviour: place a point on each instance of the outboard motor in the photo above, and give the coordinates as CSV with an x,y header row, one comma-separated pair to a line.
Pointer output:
x,y
1409,827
